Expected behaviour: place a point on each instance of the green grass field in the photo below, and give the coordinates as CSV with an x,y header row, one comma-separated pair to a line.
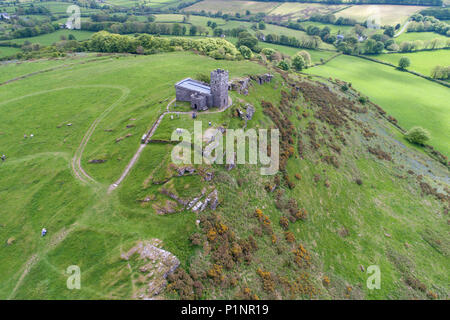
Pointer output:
x,y
8,51
61,7
423,36
422,62
233,6
334,28
50,38
404,96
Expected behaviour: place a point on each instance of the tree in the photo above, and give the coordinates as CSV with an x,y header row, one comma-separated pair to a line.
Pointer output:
x,y
306,56
247,39
283,65
193,30
262,25
404,63
176,29
440,72
389,31
268,52
417,135
298,62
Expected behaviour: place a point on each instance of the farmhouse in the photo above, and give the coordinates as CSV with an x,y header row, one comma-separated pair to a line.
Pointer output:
x,y
203,96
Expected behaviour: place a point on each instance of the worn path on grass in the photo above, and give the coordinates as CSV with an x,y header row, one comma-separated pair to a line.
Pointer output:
x,y
150,134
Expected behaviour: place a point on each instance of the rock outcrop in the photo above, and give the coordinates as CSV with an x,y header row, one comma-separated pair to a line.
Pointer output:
x,y
154,265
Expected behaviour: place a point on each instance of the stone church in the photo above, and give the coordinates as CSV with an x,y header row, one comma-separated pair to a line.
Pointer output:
x,y
203,96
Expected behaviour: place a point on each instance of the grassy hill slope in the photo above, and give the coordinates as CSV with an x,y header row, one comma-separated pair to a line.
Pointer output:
x,y
404,96
354,194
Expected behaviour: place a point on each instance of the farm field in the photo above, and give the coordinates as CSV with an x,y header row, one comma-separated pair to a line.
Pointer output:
x,y
61,7
292,10
232,7
195,20
334,28
422,62
50,38
404,96
423,36
386,14
8,51
123,3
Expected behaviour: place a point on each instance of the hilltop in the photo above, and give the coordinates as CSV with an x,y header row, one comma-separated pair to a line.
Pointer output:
x,y
349,193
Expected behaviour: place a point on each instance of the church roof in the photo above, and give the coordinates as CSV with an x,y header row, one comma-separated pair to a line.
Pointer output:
x,y
194,85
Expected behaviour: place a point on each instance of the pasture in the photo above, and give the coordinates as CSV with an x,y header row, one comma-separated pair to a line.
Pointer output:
x,y
292,10
422,62
404,96
382,14
232,7
8,51
50,38
422,36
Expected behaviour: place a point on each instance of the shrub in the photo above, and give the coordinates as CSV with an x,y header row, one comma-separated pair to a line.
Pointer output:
x,y
417,135
268,52
298,62
284,223
289,236
196,239
283,65
203,77
246,52
362,100
325,281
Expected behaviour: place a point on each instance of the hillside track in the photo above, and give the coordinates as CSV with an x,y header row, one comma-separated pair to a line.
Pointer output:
x,y
77,169
25,76
35,258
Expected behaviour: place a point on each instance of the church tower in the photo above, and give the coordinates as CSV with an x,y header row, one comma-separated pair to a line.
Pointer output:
x,y
219,88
